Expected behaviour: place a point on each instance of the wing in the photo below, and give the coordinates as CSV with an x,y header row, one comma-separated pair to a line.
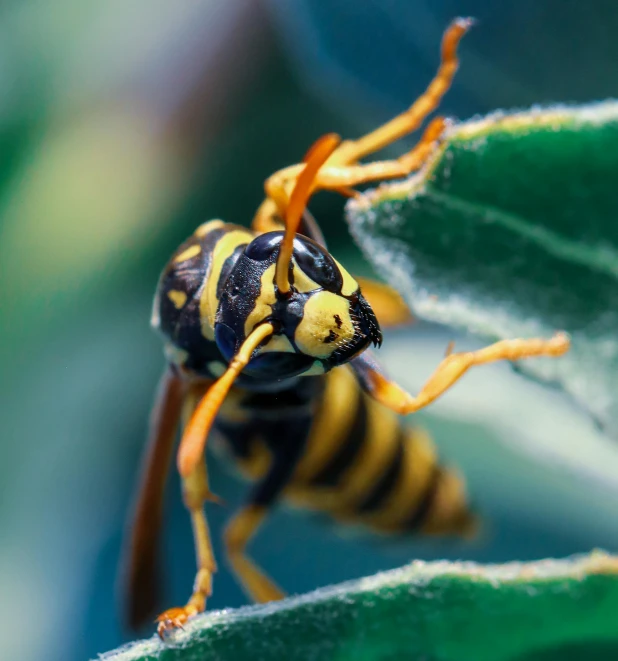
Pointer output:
x,y
141,567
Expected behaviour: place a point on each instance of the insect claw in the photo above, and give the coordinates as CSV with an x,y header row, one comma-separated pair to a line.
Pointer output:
x,y
170,621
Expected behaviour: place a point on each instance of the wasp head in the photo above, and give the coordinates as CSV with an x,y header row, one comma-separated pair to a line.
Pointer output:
x,y
322,321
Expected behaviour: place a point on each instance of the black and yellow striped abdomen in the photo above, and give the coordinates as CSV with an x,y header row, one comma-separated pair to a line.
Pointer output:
x,y
358,462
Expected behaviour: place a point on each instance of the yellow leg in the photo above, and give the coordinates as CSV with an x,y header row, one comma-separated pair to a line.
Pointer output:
x,y
267,218
341,172
353,150
195,494
342,177
259,587
333,177
450,370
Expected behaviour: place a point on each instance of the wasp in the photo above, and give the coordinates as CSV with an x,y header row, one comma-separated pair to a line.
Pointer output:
x,y
267,340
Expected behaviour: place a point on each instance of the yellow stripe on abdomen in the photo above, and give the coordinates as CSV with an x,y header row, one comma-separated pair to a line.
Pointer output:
x,y
378,450
418,461
339,403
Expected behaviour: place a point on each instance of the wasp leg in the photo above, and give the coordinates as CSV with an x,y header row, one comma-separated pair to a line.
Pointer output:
x,y
450,370
386,302
349,152
195,493
267,218
353,150
259,587
333,177
287,447
277,187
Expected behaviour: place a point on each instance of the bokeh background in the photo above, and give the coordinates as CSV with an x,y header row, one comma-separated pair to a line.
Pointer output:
x,y
123,125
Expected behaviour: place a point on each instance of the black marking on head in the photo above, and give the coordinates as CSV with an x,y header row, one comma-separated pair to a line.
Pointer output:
x,y
367,320
338,321
311,257
238,295
242,288
367,331
227,267
182,327
187,277
189,337
332,336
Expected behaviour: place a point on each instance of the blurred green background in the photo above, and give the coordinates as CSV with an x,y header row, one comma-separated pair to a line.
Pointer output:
x,y
123,125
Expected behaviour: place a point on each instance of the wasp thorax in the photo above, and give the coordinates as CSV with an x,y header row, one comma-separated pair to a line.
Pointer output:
x,y
320,322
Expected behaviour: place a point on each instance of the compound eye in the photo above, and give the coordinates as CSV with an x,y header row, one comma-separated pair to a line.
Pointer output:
x,y
317,264
262,248
226,340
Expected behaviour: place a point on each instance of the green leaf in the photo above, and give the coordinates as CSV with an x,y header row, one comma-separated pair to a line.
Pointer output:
x,y
553,609
512,230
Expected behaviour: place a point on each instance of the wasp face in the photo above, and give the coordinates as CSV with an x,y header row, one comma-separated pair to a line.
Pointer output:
x,y
321,322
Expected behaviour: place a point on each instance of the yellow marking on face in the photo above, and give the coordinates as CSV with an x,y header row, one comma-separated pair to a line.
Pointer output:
x,y
277,343
349,283
302,282
216,368
178,298
262,308
189,253
326,316
208,299
206,228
